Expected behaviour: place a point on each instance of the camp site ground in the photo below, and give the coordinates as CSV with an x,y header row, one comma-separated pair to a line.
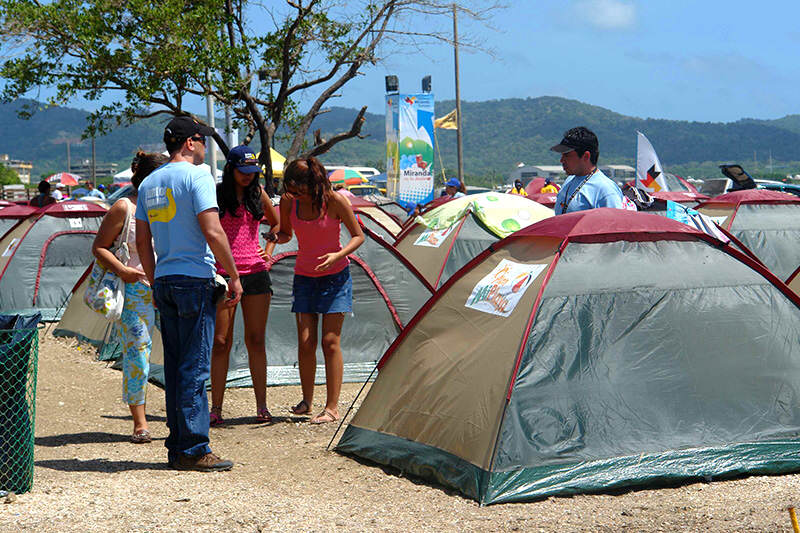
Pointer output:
x,y
89,478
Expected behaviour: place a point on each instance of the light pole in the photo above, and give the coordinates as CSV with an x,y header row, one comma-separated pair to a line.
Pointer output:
x,y
459,122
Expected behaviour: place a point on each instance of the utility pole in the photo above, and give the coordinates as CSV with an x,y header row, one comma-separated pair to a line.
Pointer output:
x,y
94,167
68,166
212,144
459,121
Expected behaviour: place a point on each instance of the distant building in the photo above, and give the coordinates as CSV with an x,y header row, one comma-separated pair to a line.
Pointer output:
x,y
102,170
618,173
22,168
527,172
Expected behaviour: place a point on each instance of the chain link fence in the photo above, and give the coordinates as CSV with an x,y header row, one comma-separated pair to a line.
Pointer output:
x,y
19,353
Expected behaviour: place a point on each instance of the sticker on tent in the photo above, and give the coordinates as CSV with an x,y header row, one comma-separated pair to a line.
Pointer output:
x,y
75,223
719,220
11,247
499,292
433,238
75,207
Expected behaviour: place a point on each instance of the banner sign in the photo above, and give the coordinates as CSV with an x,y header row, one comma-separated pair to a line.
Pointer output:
x,y
409,148
499,292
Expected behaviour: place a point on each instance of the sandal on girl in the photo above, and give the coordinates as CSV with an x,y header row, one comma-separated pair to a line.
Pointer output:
x,y
141,437
324,417
215,417
263,415
301,408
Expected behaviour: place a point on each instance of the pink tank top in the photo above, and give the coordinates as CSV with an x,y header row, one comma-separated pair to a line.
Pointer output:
x,y
242,232
316,238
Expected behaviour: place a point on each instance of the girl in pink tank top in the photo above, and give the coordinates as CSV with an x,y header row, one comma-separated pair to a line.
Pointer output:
x,y
243,205
322,284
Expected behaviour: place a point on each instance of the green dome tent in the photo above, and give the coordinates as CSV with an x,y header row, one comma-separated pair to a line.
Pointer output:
x,y
594,350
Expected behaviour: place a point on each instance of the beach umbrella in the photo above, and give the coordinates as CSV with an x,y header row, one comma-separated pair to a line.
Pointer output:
x,y
65,178
346,176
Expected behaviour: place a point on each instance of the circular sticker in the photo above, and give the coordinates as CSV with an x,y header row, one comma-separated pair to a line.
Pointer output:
x,y
510,224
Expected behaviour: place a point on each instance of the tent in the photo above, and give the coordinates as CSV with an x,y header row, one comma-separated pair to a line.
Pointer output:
x,y
388,205
794,281
375,218
444,239
11,215
387,292
595,350
767,222
689,198
43,256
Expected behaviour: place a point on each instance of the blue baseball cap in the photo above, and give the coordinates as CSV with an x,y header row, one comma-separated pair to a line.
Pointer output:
x,y
453,182
244,159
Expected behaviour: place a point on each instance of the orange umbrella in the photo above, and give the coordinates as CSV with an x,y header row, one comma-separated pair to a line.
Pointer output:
x,y
64,178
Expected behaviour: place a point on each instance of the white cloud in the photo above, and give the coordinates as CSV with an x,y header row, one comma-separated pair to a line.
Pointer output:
x,y
607,14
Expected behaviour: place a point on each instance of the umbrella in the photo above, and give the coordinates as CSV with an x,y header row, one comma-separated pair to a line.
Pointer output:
x,y
65,178
346,176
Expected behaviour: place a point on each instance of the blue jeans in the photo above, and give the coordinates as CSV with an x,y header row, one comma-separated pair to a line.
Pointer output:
x,y
187,330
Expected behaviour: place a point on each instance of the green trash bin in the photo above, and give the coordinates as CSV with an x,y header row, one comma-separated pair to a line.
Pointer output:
x,y
19,353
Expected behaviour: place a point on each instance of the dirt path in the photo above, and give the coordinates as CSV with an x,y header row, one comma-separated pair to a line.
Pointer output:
x,y
89,478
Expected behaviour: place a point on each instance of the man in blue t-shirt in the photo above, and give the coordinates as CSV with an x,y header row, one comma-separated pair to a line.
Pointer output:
x,y
97,193
586,186
176,213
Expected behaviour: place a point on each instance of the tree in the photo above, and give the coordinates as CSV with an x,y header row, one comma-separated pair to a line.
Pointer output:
x,y
159,56
8,176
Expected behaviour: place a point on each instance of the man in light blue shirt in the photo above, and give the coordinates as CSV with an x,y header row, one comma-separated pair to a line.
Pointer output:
x,y
586,186
176,213
97,193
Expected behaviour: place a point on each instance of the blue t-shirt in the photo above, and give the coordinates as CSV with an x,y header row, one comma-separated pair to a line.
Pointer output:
x,y
170,199
599,191
97,193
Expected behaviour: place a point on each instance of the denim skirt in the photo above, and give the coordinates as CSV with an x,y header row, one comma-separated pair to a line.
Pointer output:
x,y
323,294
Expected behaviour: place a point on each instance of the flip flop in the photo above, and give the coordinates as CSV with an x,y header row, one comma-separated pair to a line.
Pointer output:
x,y
324,417
263,415
301,408
141,437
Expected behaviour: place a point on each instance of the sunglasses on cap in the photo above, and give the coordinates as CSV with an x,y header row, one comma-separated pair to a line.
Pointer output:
x,y
199,139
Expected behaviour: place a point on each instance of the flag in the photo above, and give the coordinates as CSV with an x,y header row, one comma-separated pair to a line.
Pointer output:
x,y
447,122
649,175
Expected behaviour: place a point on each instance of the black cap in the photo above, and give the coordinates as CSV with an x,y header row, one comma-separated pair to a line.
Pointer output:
x,y
579,139
181,128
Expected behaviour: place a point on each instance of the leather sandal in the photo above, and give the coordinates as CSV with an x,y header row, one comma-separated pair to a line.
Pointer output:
x,y
301,408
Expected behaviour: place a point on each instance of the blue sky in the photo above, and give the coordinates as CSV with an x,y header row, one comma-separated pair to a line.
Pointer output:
x,y
710,60
684,60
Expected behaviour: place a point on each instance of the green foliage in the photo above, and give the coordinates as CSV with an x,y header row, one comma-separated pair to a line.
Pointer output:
x,y
8,176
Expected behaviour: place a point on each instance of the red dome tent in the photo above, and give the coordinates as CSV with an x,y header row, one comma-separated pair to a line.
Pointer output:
x,y
590,351
43,256
766,222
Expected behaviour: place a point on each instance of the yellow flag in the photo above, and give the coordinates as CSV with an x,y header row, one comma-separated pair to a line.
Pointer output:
x,y
447,122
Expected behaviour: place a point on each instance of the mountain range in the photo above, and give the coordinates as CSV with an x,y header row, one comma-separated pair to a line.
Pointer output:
x,y
497,135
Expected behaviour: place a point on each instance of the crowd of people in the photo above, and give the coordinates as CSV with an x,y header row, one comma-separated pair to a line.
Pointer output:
x,y
196,257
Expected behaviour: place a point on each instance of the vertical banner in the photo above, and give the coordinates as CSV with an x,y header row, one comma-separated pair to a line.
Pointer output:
x,y
409,148
392,129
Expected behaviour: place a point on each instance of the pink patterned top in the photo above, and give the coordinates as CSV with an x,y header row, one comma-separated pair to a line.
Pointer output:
x,y
316,238
242,232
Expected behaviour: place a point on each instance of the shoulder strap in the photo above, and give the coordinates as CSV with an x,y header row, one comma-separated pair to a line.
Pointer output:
x,y
124,235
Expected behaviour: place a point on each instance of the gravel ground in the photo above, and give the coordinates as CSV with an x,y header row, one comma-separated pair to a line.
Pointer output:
x,y
89,478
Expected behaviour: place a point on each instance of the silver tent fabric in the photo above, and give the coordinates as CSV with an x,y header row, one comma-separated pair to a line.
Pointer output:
x,y
66,258
772,232
642,347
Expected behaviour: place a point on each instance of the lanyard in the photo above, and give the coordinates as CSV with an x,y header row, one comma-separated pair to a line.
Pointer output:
x,y
565,203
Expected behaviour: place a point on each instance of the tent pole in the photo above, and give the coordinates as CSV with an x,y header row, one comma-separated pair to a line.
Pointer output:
x,y
341,423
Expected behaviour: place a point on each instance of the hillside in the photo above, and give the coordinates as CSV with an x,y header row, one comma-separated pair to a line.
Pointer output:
x,y
498,134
